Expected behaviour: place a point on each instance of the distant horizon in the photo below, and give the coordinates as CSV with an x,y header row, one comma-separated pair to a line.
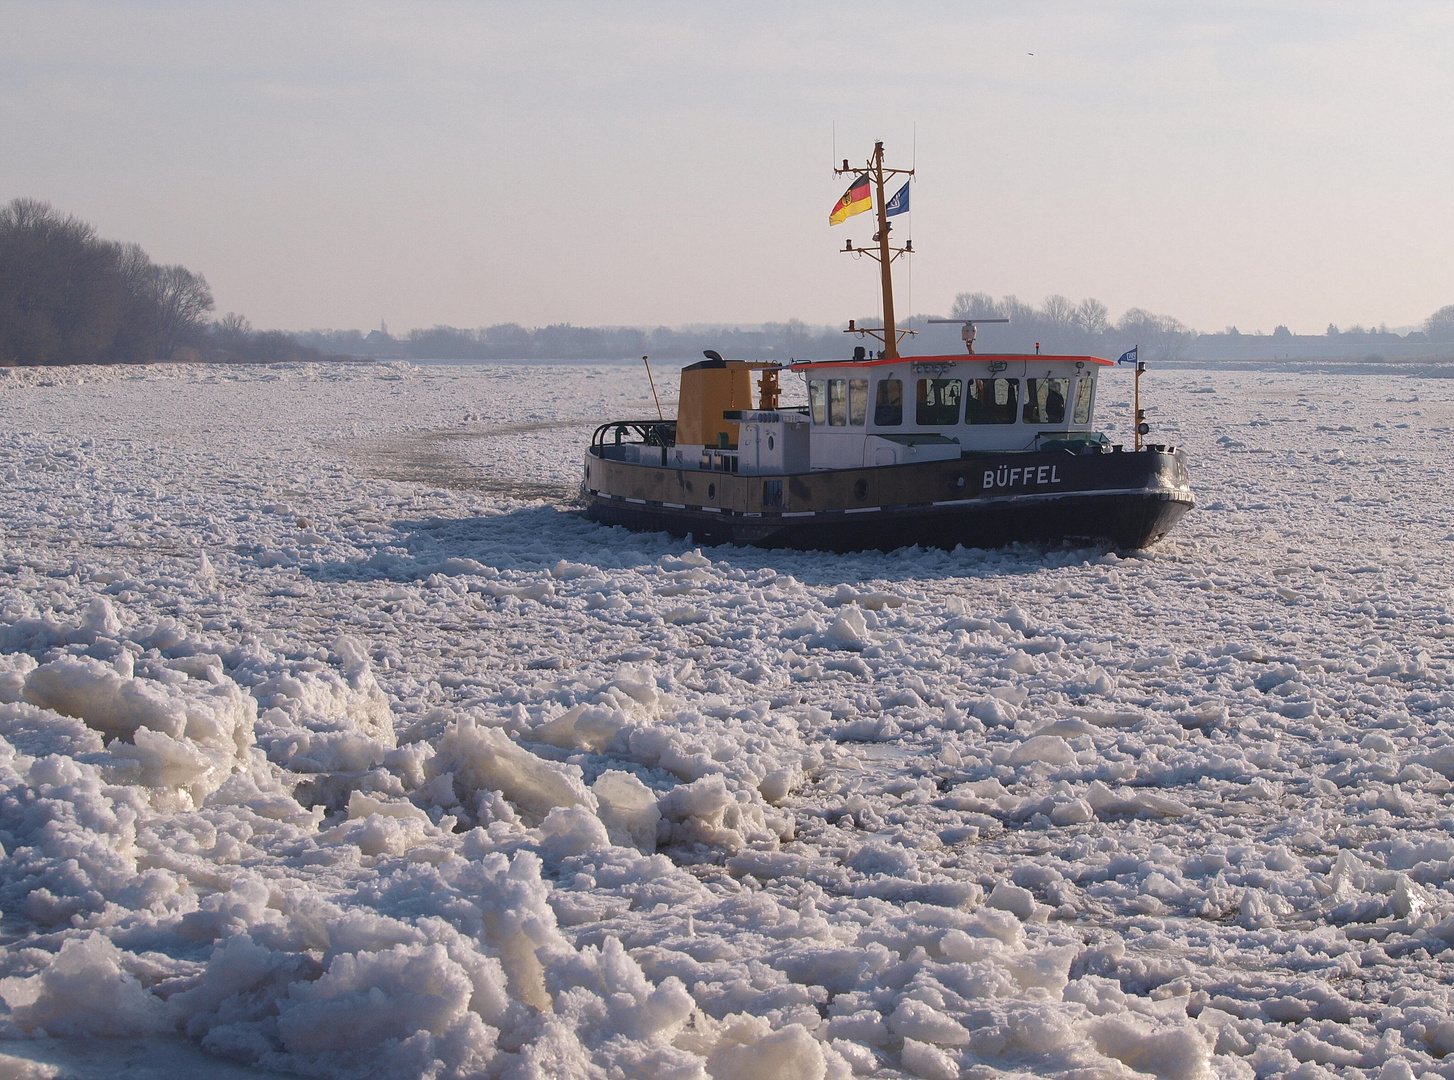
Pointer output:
x,y
708,326
71,295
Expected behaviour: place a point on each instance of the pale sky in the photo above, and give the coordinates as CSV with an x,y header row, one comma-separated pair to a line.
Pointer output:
x,y
331,165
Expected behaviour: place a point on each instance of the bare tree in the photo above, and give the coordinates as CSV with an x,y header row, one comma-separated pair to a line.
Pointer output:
x,y
1018,312
1093,317
183,300
60,293
233,332
1162,337
139,331
1440,325
1058,311
974,305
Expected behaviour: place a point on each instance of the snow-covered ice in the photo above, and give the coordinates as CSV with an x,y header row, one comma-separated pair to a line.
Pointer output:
x,y
333,741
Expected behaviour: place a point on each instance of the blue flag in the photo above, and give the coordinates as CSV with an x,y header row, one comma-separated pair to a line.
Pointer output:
x,y
1129,356
899,204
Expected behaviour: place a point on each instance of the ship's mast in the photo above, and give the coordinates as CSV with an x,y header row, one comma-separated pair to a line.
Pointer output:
x,y
885,261
890,335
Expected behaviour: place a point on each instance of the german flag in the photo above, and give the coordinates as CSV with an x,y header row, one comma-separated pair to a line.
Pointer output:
x,y
855,201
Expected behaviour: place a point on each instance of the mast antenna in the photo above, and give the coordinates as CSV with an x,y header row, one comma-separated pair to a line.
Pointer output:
x,y
885,253
659,414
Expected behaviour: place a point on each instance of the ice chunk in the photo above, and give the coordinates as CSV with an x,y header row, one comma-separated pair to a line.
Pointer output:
x,y
572,830
1348,876
1176,1053
1051,749
583,727
1095,681
1017,901
1021,663
17,1068
874,601
994,711
485,759
705,812
628,810
1046,969
182,739
881,857
1072,812
13,670
639,685
928,1062
637,1009
382,826
960,947
243,904
779,783
521,925
749,1050
101,617
1255,911
368,999
329,700
1133,802
216,714
167,764
1001,926
569,571
1440,760
1409,898
848,631
917,1020
85,991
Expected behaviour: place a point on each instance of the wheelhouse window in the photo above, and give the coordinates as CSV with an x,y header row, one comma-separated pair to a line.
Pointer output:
x,y
992,401
888,403
857,402
837,402
1045,400
818,401
1084,388
937,404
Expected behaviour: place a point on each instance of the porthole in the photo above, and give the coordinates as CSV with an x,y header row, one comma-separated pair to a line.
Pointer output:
x,y
860,490
957,481
711,491
769,442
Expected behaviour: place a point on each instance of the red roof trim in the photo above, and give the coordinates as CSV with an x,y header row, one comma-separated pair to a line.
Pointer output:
x,y
804,365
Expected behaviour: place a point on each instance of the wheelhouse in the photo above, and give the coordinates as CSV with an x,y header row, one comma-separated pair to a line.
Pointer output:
x,y
923,408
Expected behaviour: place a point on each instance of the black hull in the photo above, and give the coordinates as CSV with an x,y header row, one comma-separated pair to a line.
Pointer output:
x,y
1127,500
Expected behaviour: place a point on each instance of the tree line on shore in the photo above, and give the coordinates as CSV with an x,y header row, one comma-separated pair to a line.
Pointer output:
x,y
1056,326
69,297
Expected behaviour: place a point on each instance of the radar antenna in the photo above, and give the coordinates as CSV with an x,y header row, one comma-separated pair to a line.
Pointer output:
x,y
967,334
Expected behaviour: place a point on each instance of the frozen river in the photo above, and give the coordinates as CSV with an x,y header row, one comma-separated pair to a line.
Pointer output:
x,y
334,741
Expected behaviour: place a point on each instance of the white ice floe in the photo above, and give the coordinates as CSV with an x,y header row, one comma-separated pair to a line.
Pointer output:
x,y
333,742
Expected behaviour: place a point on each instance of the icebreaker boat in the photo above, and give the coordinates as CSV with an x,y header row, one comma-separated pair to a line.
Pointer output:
x,y
891,450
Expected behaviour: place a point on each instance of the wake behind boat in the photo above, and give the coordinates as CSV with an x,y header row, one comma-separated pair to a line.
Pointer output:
x,y
973,450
